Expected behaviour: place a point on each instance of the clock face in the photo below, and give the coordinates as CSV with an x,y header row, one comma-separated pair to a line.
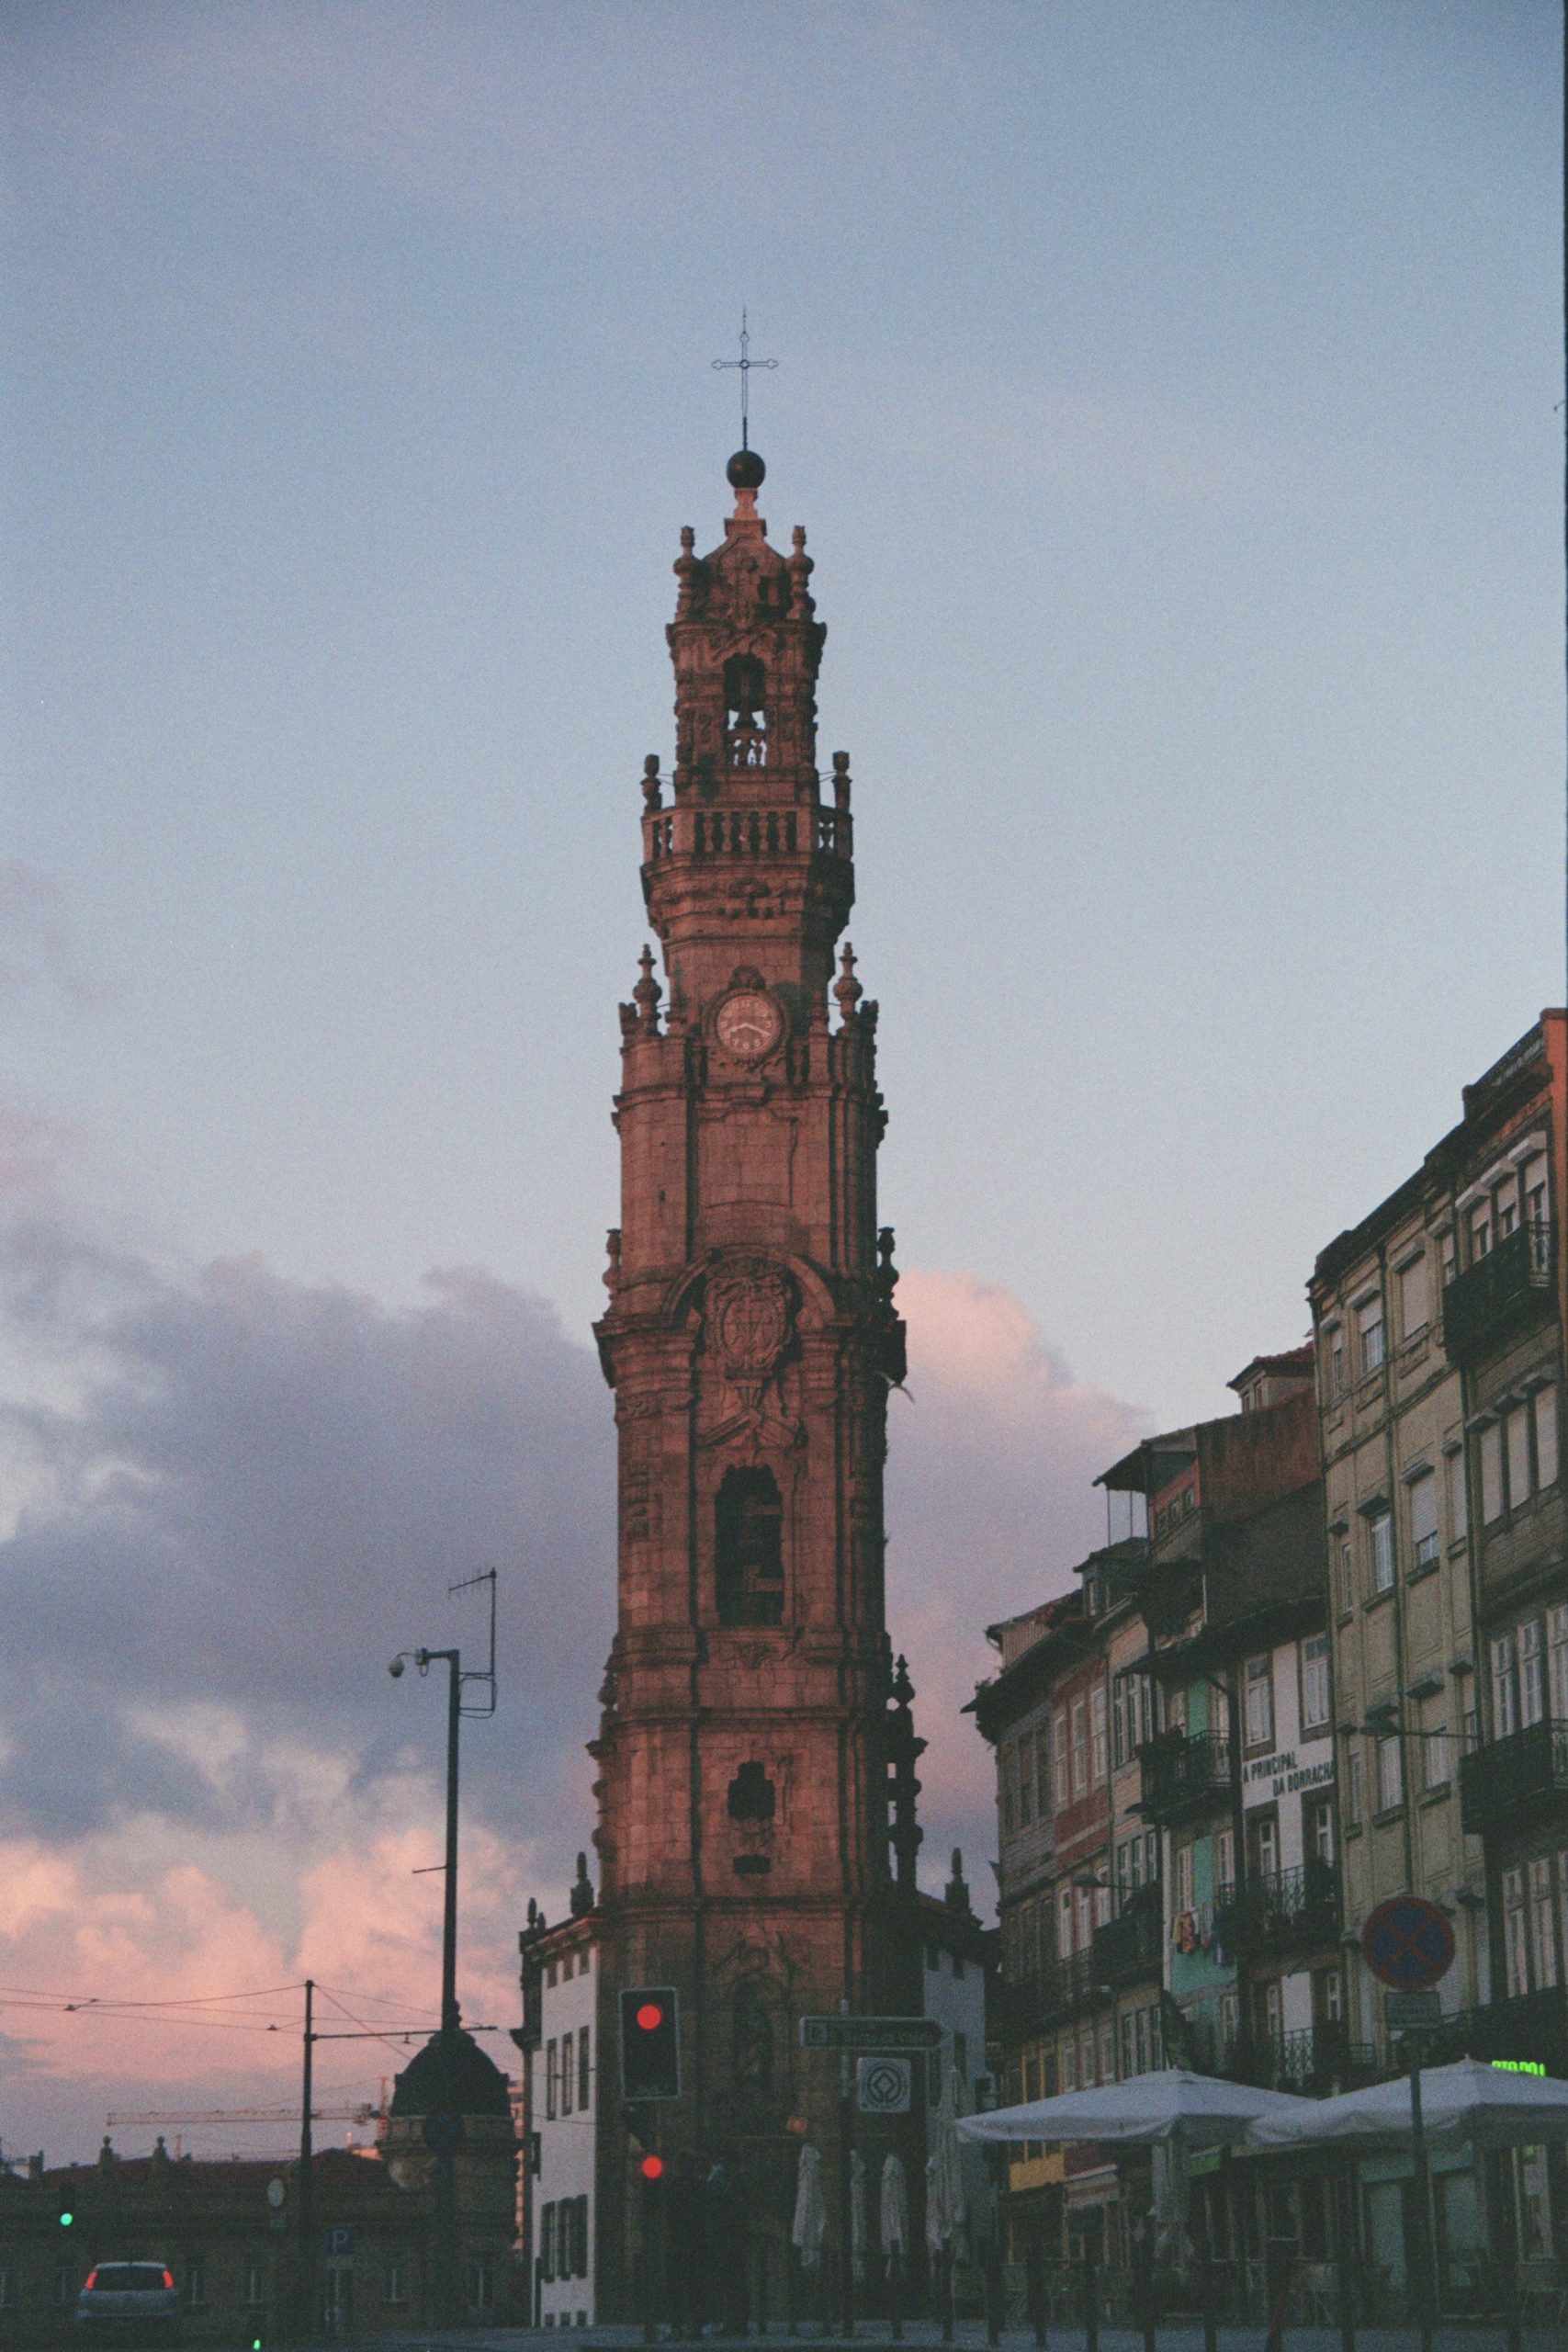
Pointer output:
x,y
749,1024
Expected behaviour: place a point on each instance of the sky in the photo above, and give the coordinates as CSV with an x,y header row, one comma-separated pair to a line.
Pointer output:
x,y
1172,397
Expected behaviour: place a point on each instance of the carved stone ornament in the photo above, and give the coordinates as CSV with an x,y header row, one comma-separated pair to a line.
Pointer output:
x,y
749,1323
749,1315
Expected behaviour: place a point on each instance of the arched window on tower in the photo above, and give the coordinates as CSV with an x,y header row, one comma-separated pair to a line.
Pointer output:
x,y
749,1549
745,721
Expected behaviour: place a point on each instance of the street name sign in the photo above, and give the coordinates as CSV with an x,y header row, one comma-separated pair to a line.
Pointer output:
x,y
1407,1943
869,2033
883,2085
1403,2010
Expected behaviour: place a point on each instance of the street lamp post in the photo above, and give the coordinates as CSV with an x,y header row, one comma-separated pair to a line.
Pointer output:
x,y
444,2128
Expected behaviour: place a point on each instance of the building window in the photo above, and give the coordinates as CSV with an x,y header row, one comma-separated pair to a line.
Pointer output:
x,y
1557,1661
195,2291
1080,1747
1224,1858
394,2280
1259,1702
1414,1306
1369,1329
548,2240
1490,1446
1480,1231
1379,1543
1505,1698
1514,1933
1315,1682
1456,1495
1183,1890
584,2070
1543,1406
1347,1576
1042,1775
1543,1933
1059,1765
1065,1924
1320,1830
1333,1364
1424,1520
749,1549
1517,1453
552,2079
1355,1800
1097,1737
1391,1775
1437,1763
565,2074
1532,1674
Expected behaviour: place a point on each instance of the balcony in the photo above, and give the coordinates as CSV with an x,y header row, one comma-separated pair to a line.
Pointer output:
x,y
1183,1777
1283,1911
1497,1290
1509,1781
1062,1989
1313,2062
1133,1945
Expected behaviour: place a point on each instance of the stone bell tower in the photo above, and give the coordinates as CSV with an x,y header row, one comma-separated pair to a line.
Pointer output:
x,y
756,1837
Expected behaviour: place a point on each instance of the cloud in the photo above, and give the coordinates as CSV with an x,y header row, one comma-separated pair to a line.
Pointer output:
x,y
236,1495
990,1506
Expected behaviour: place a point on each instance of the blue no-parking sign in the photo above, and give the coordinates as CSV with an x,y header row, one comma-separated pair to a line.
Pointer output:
x,y
1407,1943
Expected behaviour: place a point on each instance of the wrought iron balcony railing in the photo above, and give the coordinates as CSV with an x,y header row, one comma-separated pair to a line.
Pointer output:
x,y
1312,2060
1280,1910
1481,1301
1504,1779
1183,1775
1063,1988
1132,1944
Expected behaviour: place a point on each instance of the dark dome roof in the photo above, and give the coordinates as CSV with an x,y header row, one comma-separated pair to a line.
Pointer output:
x,y
746,470
474,2086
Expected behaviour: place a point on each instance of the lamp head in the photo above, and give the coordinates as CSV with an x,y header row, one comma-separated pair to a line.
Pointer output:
x,y
396,1669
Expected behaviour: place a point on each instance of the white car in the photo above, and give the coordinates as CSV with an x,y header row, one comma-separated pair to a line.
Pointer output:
x,y
125,2300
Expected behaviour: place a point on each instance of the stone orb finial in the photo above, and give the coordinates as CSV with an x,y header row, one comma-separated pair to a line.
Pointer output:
x,y
746,470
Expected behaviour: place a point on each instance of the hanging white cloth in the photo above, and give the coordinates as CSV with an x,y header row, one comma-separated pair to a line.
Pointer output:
x,y
895,2209
811,2208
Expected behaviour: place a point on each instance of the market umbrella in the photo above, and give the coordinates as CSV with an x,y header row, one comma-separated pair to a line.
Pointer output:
x,y
857,2216
1489,2106
1195,2110
944,2170
811,2208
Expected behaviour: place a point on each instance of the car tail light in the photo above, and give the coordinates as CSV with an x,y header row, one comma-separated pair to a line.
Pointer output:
x,y
92,2280
169,2280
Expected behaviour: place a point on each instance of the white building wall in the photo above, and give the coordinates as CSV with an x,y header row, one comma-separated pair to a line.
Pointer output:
x,y
1298,1769
565,2141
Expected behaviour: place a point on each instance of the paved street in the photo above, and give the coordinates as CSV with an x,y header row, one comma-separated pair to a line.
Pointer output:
x,y
1477,2336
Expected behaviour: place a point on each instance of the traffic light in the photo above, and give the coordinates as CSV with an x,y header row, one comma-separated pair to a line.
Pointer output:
x,y
652,2166
651,2043
67,2210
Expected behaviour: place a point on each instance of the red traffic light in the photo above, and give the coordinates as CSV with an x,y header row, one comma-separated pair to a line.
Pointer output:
x,y
650,2017
652,2167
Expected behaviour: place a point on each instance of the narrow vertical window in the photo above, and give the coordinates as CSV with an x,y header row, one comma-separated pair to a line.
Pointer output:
x,y
1517,1447
1379,1542
1370,1327
1532,1673
1315,1682
1391,1775
1260,1702
1543,1406
566,2074
747,1549
552,2077
1097,1735
1424,1542
1505,1696
1491,1451
584,2070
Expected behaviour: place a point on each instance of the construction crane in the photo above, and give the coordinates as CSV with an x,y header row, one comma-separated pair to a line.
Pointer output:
x,y
364,2113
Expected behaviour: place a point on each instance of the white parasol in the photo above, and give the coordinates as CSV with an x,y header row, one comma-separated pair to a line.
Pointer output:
x,y
944,2170
811,2208
1194,2111
1489,2106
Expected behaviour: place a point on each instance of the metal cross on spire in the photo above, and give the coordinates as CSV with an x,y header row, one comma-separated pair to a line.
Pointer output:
x,y
745,363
